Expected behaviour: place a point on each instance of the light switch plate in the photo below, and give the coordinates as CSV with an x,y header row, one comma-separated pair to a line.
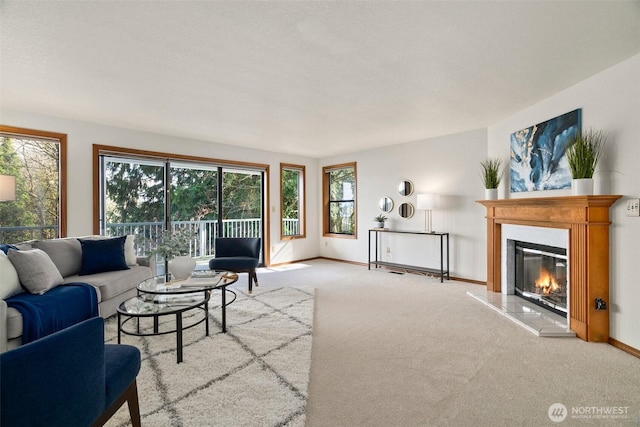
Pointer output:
x,y
633,207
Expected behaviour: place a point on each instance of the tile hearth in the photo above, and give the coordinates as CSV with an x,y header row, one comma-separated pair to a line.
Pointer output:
x,y
535,319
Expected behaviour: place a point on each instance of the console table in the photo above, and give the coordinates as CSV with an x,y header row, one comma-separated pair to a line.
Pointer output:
x,y
444,241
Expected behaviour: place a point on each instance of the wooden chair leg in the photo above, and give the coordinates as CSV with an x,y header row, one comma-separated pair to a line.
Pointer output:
x,y
134,405
130,395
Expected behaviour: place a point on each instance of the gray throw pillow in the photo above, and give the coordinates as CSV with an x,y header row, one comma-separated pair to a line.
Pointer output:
x,y
35,269
65,253
9,281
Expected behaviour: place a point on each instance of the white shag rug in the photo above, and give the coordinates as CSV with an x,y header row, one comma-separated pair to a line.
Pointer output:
x,y
256,374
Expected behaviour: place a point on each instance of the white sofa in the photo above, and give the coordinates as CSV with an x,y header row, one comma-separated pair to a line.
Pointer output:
x,y
112,287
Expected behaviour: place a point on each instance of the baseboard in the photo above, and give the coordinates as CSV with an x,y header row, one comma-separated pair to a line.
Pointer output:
x,y
624,347
474,282
364,264
279,264
317,257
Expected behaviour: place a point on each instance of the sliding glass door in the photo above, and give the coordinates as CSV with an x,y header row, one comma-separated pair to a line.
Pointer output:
x,y
145,196
193,206
242,204
133,199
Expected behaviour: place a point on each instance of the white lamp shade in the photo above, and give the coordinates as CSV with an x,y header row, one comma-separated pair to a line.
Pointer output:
x,y
427,201
7,188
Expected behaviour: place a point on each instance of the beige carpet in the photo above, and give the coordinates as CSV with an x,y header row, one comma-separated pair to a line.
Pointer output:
x,y
405,350
392,350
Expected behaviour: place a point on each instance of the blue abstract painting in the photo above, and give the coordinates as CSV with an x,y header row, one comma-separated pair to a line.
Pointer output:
x,y
538,160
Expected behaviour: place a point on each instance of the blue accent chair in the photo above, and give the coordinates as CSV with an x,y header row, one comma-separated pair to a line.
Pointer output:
x,y
69,378
237,254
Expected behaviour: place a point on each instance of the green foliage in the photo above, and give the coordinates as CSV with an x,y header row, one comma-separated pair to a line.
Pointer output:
x,y
584,152
342,190
173,243
134,192
241,195
291,185
194,194
491,172
290,193
35,164
380,218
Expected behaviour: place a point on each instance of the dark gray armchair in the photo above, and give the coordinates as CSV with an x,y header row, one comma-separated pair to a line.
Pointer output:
x,y
237,254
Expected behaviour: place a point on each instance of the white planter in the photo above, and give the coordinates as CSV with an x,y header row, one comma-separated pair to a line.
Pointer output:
x,y
181,267
491,194
582,187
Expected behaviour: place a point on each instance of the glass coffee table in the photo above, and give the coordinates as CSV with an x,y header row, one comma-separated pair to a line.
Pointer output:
x,y
162,296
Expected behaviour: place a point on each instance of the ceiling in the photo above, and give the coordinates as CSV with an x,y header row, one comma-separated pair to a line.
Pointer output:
x,y
310,78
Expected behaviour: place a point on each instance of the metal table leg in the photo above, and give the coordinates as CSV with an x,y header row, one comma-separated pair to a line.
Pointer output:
x,y
179,335
119,327
224,310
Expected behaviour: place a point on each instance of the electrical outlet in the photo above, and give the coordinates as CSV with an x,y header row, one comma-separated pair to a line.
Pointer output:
x,y
388,250
633,207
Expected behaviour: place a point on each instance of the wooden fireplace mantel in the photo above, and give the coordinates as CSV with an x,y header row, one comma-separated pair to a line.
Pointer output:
x,y
587,219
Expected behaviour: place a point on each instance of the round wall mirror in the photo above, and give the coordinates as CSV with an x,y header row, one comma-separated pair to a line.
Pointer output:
x,y
405,210
386,204
405,188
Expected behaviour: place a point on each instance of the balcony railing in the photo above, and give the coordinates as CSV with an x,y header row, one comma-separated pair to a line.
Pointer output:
x,y
22,234
290,227
149,233
204,233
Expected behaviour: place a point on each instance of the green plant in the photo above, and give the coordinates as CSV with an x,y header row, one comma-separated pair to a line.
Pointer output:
x,y
173,243
584,152
380,218
491,172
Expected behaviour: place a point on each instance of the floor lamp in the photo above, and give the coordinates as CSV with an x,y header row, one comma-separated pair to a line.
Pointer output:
x,y
7,188
427,202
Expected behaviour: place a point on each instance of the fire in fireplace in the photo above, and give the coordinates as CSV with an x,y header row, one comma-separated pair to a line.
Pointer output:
x,y
541,275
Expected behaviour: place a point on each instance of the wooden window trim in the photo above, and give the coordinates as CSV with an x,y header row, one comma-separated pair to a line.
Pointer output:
x,y
303,205
325,201
62,140
106,149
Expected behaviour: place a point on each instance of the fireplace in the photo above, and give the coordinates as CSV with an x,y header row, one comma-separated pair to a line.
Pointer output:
x,y
586,218
539,274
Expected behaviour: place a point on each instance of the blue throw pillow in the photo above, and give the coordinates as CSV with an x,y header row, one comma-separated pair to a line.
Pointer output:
x,y
5,248
102,255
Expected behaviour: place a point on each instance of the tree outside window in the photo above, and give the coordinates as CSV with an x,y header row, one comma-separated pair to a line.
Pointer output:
x,y
36,160
292,201
339,194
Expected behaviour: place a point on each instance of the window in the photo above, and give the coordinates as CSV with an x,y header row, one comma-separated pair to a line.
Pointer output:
x,y
292,201
339,200
37,160
144,193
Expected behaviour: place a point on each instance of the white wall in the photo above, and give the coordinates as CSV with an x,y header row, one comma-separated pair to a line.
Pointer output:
x,y
81,136
610,101
448,166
